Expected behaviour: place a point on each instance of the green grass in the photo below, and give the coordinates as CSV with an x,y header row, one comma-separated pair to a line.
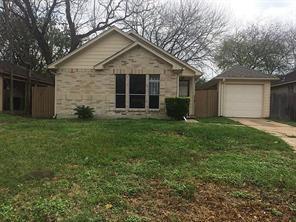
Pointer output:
x,y
217,120
99,164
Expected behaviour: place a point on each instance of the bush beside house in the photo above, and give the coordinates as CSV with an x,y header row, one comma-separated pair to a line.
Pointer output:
x,y
177,107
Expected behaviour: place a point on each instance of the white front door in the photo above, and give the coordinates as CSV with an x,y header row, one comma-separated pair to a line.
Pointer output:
x,y
243,100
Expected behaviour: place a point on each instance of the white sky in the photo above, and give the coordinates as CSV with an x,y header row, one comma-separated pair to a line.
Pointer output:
x,y
242,12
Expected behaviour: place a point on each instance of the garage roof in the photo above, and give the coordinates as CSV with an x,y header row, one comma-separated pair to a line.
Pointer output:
x,y
239,72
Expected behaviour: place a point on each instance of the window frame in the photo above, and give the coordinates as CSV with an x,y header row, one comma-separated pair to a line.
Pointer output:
x,y
120,94
188,87
150,94
137,94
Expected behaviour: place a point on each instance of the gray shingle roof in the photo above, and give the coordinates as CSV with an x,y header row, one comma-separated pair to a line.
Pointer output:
x,y
242,72
237,72
286,79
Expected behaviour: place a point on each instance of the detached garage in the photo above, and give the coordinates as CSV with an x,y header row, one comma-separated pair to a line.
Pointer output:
x,y
242,93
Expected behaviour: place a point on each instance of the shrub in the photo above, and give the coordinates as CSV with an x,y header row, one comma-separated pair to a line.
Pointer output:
x,y
177,107
84,112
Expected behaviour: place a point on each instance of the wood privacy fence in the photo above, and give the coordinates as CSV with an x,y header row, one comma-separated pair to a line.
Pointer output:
x,y
206,103
283,106
43,102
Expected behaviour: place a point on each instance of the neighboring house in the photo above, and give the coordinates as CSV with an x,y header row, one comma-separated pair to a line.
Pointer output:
x,y
241,92
283,97
23,80
121,74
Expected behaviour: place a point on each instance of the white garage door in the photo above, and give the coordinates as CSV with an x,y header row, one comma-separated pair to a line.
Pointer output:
x,y
243,101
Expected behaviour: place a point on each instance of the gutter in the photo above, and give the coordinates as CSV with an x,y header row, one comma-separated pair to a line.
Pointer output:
x,y
243,78
284,83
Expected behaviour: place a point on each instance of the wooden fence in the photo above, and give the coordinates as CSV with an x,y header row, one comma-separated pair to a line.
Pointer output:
x,y
43,102
283,106
206,103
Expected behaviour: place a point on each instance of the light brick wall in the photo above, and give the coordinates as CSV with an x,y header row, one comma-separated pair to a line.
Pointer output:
x,y
97,88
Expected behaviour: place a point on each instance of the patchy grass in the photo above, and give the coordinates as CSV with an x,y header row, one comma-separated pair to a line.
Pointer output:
x,y
142,170
242,194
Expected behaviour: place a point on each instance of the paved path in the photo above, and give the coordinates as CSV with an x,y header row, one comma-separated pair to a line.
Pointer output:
x,y
285,132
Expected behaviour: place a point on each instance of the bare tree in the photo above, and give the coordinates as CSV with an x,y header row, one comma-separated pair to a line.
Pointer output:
x,y
24,45
256,47
76,19
190,30
37,15
103,14
290,39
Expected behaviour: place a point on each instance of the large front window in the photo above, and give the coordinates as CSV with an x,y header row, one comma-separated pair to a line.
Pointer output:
x,y
141,92
137,91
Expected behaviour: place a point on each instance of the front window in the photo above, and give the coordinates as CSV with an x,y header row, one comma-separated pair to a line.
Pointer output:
x,y
154,91
120,91
137,91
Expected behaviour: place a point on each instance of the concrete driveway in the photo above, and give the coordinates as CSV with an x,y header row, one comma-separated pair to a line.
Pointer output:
x,y
285,132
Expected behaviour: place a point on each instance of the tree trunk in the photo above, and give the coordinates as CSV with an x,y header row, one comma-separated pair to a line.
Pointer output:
x,y
75,41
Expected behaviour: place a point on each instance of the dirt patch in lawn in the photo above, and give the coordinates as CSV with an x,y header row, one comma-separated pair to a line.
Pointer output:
x,y
40,174
214,202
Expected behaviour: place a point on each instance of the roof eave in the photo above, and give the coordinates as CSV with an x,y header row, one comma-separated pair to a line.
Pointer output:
x,y
244,78
284,83
196,71
112,29
175,66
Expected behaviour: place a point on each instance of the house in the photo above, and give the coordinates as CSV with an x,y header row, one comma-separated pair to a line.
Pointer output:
x,y
20,85
241,92
283,97
121,74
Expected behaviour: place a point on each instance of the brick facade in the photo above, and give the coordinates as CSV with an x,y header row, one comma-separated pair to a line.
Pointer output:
x,y
97,88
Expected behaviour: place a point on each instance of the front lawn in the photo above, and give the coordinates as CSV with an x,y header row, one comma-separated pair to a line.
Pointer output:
x,y
143,170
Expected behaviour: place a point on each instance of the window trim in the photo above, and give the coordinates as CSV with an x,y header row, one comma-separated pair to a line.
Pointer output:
x,y
188,88
149,94
133,94
120,94
127,95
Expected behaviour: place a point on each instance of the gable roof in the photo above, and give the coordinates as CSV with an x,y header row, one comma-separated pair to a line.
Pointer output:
x,y
100,65
240,72
89,43
237,73
286,79
135,39
165,52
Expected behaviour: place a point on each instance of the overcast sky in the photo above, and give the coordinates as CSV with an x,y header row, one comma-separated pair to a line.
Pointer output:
x,y
242,12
